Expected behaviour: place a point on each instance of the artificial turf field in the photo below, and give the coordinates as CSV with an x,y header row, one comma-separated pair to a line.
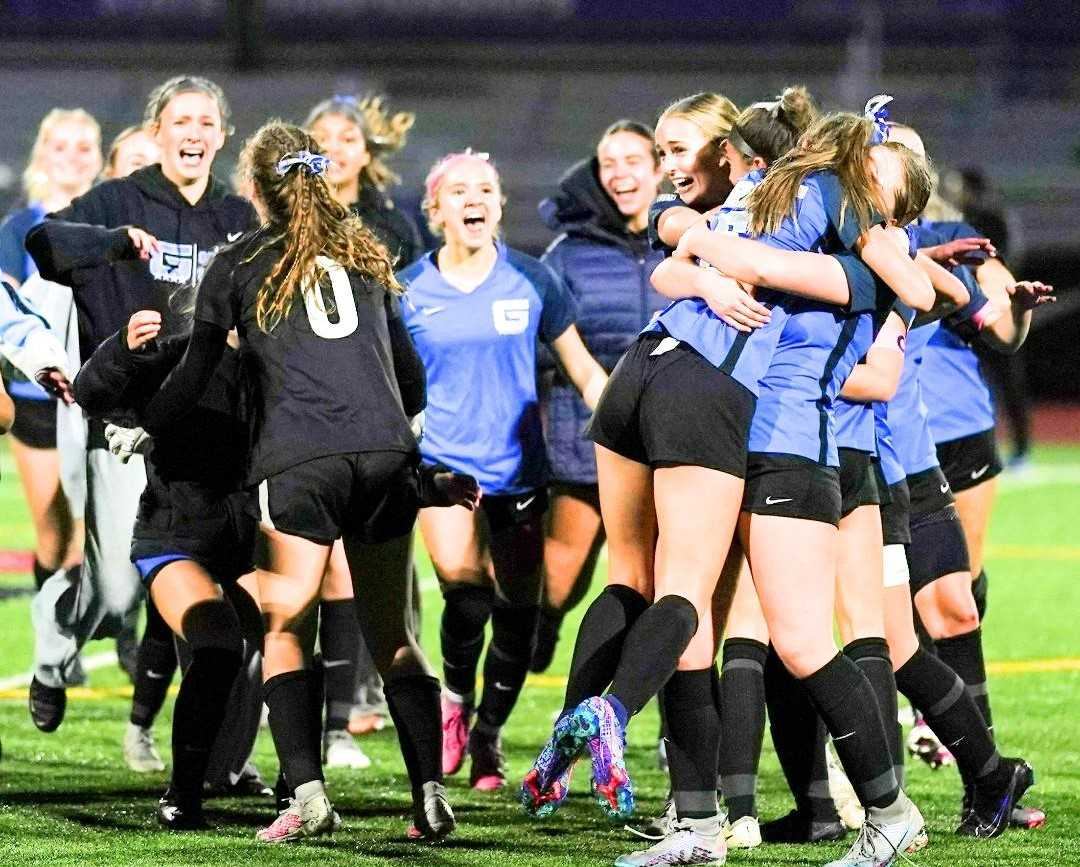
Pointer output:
x,y
68,799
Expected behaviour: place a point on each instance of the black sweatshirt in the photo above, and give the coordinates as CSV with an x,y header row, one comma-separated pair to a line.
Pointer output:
x,y
86,246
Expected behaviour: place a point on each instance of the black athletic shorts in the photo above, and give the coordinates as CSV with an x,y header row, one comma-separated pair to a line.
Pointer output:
x,y
930,492
673,409
504,511
35,422
970,461
896,514
218,533
858,483
938,547
792,487
373,496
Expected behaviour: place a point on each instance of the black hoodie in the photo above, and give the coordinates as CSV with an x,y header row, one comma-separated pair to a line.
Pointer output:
x,y
86,246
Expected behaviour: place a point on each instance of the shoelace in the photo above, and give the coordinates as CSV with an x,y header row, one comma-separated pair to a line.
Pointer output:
x,y
866,848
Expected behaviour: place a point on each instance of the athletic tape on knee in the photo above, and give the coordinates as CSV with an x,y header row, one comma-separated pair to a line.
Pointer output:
x,y
896,565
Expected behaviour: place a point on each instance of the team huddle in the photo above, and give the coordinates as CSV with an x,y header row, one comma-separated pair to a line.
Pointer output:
x,y
758,391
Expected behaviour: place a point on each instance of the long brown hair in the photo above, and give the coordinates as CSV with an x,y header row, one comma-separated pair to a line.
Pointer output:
x,y
301,212
838,142
770,129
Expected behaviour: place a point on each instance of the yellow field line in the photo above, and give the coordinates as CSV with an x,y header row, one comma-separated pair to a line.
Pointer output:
x,y
558,681
1033,552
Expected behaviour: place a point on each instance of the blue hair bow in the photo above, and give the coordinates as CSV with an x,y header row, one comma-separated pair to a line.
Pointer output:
x,y
876,111
315,163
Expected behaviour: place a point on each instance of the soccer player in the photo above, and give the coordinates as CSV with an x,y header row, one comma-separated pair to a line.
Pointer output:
x,y
64,161
602,254
127,242
313,296
193,537
358,135
475,309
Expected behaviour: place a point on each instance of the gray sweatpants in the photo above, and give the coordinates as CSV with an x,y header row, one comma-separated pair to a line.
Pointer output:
x,y
68,613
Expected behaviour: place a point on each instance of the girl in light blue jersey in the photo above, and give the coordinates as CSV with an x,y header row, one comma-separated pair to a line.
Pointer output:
x,y
475,310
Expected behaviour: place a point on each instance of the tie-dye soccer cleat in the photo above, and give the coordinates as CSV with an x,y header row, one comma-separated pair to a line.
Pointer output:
x,y
547,783
594,722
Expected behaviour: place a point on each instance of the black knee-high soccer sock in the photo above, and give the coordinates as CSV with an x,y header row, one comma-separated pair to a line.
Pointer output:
x,y
413,702
466,611
42,573
742,723
799,739
290,698
155,666
979,588
339,638
650,653
846,702
600,641
316,699
718,703
951,712
506,664
964,655
197,717
872,656
693,740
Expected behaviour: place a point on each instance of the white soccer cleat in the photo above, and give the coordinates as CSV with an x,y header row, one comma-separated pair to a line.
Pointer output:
x,y
743,833
691,841
879,845
340,750
312,818
140,754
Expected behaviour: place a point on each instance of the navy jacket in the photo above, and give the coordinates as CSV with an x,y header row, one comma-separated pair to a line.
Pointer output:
x,y
607,270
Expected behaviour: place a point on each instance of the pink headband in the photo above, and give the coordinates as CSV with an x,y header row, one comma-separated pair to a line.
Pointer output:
x,y
438,171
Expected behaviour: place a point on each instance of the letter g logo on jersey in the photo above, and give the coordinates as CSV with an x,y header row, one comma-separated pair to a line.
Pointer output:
x,y
510,315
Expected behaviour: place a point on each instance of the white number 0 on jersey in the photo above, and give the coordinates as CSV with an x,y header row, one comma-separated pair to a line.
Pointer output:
x,y
343,301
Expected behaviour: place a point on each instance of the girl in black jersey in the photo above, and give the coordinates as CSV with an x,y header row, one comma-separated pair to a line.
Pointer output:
x,y
313,296
358,135
193,536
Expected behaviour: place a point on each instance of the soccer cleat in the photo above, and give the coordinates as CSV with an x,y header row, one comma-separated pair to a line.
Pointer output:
x,y
689,842
594,722
992,807
547,783
432,817
47,705
312,818
924,744
488,770
1027,818
743,833
455,729
341,751
174,816
879,845
798,827
658,827
140,754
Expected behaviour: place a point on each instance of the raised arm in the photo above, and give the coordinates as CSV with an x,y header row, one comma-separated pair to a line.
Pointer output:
x,y
60,247
895,267
1015,300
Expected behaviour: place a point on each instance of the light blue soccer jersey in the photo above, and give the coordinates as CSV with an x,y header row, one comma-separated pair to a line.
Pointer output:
x,y
819,343
479,349
891,468
908,418
955,392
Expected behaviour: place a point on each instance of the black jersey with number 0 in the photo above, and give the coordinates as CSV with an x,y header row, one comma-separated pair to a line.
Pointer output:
x,y
323,379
